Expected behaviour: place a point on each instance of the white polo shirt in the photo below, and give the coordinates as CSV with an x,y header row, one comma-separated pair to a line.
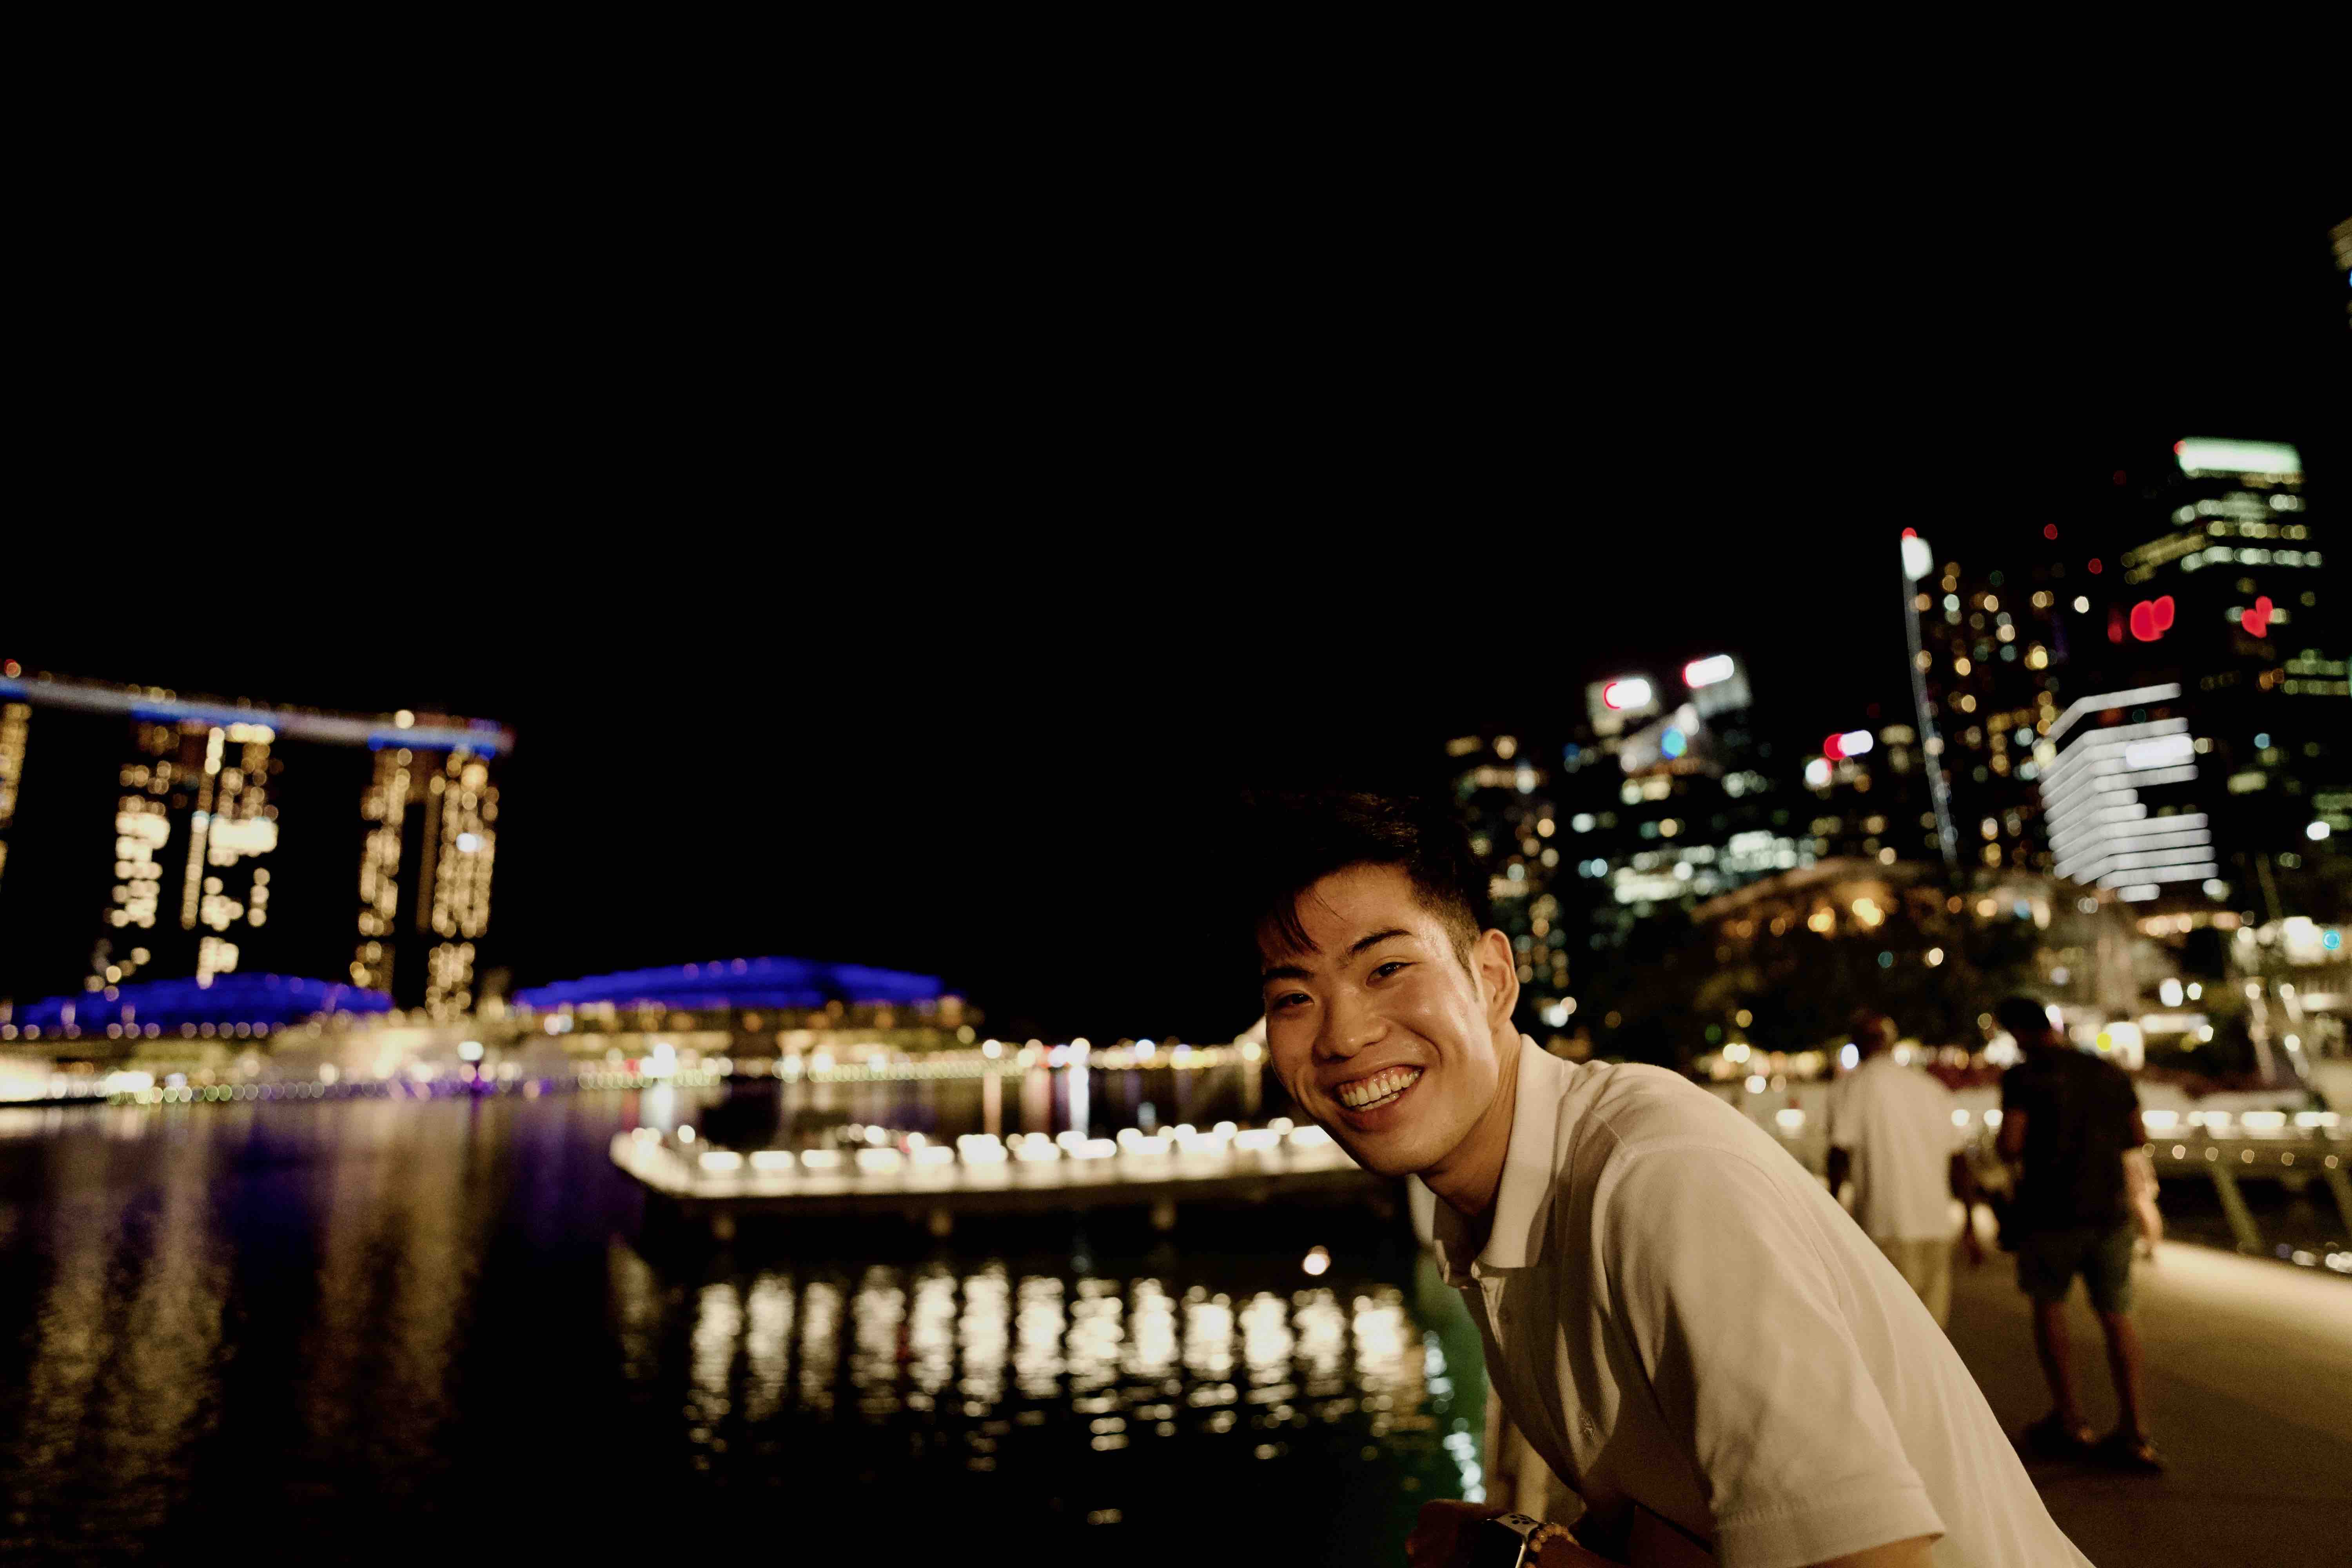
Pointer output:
x,y
1677,1315
1897,1122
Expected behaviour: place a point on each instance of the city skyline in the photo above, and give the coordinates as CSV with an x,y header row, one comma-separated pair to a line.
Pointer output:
x,y
967,683
1216,752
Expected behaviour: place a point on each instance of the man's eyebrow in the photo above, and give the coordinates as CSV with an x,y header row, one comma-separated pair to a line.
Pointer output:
x,y
1292,972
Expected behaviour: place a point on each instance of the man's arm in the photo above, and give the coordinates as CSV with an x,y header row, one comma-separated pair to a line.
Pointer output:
x,y
1841,1167
1717,1281
2011,1142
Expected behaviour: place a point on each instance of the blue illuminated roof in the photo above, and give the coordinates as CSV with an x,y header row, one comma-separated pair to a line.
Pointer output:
x,y
269,1000
739,983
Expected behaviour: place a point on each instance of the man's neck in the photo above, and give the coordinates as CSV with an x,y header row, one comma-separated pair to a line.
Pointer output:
x,y
1468,1179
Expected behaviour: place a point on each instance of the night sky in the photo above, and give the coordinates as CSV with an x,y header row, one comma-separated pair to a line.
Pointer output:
x,y
926,609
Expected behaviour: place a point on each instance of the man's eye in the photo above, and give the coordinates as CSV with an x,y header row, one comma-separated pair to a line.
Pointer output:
x,y
1391,964
1288,999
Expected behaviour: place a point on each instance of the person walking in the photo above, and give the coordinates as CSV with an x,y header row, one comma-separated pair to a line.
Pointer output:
x,y
2069,1119
1891,1128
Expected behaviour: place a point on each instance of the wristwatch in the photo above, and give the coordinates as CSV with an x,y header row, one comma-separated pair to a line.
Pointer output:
x,y
1509,1541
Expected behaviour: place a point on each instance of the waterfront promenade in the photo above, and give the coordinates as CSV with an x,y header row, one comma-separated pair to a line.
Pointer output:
x,y
2249,1389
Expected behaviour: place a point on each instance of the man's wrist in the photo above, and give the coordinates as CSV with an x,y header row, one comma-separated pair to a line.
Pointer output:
x,y
1554,1547
1542,1536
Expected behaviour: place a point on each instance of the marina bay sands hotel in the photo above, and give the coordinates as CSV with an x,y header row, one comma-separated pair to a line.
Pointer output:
x,y
144,836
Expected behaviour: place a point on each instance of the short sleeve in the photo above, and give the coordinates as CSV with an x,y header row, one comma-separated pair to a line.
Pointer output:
x,y
2126,1101
1718,1290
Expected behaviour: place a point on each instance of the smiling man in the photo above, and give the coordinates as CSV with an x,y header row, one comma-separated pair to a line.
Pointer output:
x,y
1687,1328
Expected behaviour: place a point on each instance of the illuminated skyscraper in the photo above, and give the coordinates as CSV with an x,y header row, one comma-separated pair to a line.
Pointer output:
x,y
1660,799
16,719
2229,599
1670,802
194,829
2342,237
2120,792
1989,644
1506,802
424,872
1870,799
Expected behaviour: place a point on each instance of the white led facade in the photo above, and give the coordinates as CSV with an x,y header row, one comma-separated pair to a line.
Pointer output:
x,y
2102,832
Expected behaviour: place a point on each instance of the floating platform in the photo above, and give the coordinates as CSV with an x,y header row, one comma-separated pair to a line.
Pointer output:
x,y
936,1185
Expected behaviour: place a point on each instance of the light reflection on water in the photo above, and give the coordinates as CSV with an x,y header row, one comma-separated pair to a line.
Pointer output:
x,y
371,1321
913,1334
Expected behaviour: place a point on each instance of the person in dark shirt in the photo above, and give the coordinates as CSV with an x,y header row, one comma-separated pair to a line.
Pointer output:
x,y
2068,1118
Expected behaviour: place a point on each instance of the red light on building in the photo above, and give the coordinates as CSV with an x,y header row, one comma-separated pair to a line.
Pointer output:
x,y
1831,750
2152,618
2049,531
1631,692
1910,533
2096,568
2115,623
2257,621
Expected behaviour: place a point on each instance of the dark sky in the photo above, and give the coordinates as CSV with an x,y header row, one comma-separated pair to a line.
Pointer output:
x,y
920,604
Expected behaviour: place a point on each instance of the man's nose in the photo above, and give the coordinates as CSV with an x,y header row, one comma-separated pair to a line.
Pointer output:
x,y
1349,1027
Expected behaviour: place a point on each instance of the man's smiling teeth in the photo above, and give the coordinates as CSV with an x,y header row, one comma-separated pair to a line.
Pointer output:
x,y
1379,1089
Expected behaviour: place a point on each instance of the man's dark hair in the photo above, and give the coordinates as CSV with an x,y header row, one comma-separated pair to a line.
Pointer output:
x,y
1296,840
2024,1017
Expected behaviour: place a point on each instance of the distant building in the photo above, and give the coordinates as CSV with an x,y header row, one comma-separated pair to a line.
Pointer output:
x,y
1991,643
1871,795
2341,236
237,1005
2121,797
761,1005
1691,807
424,873
164,822
1506,802
2225,595
1660,798
15,720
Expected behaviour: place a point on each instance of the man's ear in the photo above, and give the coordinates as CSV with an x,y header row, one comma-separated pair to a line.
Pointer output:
x,y
1498,973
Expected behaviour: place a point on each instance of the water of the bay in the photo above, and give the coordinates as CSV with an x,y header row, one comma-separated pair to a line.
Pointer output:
x,y
367,1329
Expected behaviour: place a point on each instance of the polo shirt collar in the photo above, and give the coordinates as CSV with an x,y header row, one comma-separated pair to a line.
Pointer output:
x,y
1523,1202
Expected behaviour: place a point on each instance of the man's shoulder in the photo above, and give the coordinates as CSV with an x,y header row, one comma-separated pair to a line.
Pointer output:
x,y
2041,1068
2082,1067
1634,1089
1637,1107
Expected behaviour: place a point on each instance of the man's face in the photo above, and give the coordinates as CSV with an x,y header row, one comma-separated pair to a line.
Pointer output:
x,y
1379,1032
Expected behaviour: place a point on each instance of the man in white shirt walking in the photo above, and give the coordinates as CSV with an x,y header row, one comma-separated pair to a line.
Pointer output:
x,y
1692,1333
1891,1128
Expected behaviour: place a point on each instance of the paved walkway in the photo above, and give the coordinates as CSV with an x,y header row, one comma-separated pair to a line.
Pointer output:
x,y
2250,1391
